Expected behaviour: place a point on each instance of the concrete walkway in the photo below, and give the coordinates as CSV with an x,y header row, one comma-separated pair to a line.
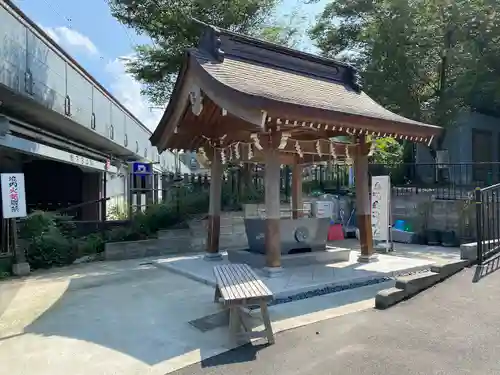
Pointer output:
x,y
301,279
432,253
450,329
129,317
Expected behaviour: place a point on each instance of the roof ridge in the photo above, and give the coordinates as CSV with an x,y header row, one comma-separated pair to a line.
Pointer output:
x,y
211,41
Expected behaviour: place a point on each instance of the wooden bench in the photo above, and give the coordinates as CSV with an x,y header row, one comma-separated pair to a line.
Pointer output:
x,y
239,286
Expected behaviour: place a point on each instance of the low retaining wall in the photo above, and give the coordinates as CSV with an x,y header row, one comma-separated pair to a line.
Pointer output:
x,y
468,251
146,248
176,241
169,242
408,286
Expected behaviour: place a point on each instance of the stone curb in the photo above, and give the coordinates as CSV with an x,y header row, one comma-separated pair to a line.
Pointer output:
x,y
408,286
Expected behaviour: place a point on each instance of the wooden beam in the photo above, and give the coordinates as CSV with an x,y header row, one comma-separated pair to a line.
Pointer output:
x,y
297,203
272,201
214,208
363,202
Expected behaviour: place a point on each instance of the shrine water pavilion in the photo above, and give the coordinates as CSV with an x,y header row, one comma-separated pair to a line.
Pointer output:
x,y
241,99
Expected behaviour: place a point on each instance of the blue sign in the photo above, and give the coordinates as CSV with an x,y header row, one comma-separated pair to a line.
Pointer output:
x,y
141,168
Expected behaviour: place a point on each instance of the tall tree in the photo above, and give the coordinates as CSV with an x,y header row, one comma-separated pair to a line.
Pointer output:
x,y
425,59
169,24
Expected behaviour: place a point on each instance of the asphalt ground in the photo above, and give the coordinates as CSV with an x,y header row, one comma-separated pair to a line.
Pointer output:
x,y
452,328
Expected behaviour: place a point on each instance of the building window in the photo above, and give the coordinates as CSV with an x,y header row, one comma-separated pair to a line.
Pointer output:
x,y
92,121
136,147
111,132
125,141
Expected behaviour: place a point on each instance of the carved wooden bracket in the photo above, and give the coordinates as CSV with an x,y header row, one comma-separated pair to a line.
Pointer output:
x,y
196,99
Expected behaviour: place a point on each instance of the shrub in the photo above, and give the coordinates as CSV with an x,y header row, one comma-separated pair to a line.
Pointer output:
x,y
117,211
162,216
49,249
49,239
120,234
91,244
36,223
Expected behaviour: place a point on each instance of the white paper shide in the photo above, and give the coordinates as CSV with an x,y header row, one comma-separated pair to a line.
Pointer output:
x,y
380,207
13,195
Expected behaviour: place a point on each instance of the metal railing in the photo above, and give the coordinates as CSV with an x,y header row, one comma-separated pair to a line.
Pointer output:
x,y
487,221
445,181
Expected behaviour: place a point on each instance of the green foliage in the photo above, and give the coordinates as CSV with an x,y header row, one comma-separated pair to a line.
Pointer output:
x,y
117,212
388,151
169,25
426,60
286,30
49,239
91,244
36,224
120,234
50,249
5,267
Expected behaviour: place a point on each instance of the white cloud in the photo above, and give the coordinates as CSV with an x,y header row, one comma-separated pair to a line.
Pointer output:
x,y
71,38
128,91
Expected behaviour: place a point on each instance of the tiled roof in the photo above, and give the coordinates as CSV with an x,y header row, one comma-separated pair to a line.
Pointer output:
x,y
289,87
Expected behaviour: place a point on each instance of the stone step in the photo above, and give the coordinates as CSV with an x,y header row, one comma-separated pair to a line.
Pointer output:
x,y
414,283
408,286
388,297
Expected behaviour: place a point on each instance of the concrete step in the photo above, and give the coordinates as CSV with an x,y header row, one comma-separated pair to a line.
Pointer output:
x,y
408,286
414,283
388,297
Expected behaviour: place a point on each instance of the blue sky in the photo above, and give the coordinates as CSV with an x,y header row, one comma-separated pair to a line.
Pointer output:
x,y
88,32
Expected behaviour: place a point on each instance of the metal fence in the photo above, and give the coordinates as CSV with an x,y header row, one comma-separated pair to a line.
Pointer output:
x,y
445,181
487,221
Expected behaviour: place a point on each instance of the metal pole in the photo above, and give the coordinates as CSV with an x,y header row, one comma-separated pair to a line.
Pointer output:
x,y
479,229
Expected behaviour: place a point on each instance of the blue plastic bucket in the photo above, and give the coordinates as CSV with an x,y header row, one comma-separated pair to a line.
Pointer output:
x,y
399,224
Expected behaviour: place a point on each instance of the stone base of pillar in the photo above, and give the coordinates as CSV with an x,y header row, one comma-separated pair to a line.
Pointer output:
x,y
367,258
213,257
21,269
272,272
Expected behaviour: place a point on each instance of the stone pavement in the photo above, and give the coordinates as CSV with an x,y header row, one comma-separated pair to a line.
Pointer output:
x,y
450,329
295,280
433,253
128,317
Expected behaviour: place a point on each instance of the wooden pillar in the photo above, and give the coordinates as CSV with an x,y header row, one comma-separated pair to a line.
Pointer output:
x,y
214,208
272,197
363,202
297,203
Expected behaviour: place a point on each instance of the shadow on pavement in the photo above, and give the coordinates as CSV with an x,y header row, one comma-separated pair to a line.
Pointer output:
x,y
246,353
488,267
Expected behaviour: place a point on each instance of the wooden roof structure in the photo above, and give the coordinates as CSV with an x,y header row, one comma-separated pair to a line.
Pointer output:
x,y
232,88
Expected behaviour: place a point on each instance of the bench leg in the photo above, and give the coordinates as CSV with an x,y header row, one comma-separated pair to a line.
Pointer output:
x,y
267,322
234,321
217,294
